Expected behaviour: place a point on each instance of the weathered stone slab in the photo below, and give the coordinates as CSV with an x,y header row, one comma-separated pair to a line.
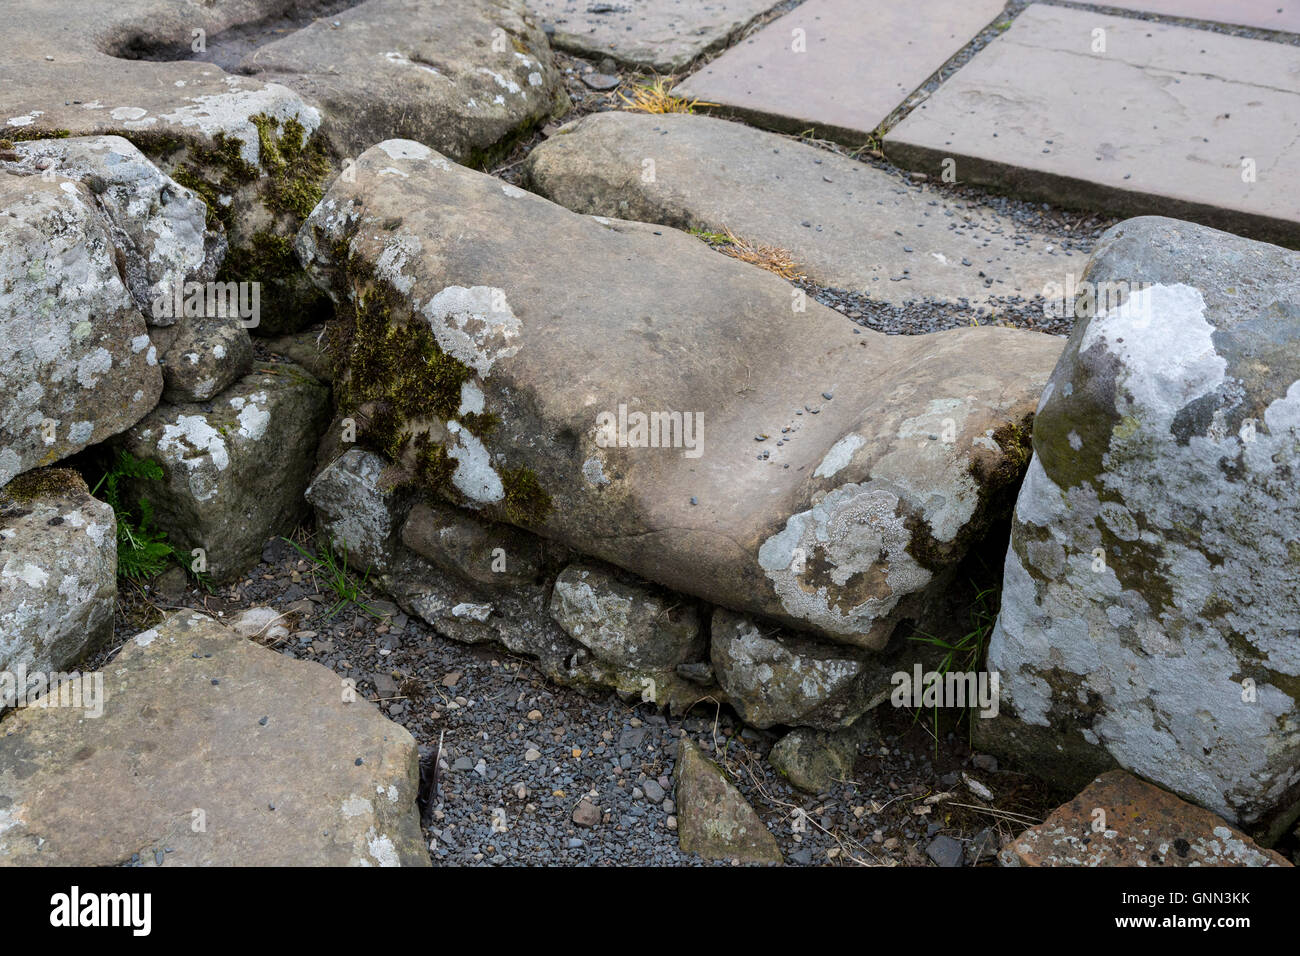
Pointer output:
x,y
659,35
460,75
210,751
1264,14
838,66
713,818
1196,125
1150,609
76,363
58,572
848,225
234,468
1142,825
493,336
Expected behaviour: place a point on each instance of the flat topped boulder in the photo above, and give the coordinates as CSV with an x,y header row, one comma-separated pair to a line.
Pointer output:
x,y
460,74
1140,825
74,66
659,35
204,749
1197,125
845,223
515,357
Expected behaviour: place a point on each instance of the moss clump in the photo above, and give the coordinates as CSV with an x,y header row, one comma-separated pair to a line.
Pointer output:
x,y
296,167
1016,441
526,502
395,363
44,483
433,466
26,135
480,424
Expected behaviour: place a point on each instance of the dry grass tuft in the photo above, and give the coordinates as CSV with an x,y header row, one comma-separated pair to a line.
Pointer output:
x,y
656,97
772,258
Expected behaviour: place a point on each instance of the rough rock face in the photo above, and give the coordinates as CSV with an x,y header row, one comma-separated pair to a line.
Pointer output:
x,y
210,751
356,510
463,76
626,625
202,357
474,580
826,477
816,760
158,227
713,819
496,555
236,467
58,568
1150,607
1142,826
846,224
775,677
76,363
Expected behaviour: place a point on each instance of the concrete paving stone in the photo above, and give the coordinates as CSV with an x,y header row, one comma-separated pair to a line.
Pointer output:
x,y
847,224
661,35
853,63
1167,120
1282,15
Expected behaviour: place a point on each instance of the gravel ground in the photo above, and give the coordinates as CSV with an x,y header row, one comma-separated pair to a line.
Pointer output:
x,y
523,750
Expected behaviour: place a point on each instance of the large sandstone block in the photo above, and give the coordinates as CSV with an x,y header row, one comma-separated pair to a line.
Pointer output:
x,y
1151,600
58,572
466,75
847,224
501,350
210,750
248,148
234,468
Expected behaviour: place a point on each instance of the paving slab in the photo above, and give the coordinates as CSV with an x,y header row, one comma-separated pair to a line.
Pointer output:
x,y
847,224
1282,15
1169,120
839,66
662,35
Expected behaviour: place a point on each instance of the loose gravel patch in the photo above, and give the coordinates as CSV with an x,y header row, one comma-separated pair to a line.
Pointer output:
x,y
533,773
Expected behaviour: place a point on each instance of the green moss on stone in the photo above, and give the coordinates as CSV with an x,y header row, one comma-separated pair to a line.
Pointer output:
x,y
44,483
27,134
296,167
526,502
